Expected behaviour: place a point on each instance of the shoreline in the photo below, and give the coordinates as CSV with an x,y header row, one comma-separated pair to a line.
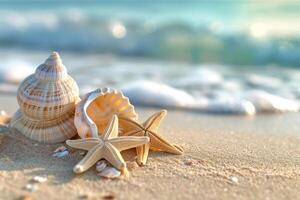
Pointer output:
x,y
262,124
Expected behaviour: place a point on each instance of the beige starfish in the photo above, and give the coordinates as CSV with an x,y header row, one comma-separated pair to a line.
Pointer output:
x,y
148,128
107,146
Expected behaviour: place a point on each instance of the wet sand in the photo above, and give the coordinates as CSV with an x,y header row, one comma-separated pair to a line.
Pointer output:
x,y
226,157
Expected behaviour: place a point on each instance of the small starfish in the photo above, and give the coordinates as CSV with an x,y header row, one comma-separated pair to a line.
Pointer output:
x,y
148,128
107,146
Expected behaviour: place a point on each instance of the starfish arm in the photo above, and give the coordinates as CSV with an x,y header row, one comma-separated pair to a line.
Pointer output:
x,y
128,126
93,155
160,144
112,129
128,142
179,148
134,132
113,156
85,144
142,154
153,122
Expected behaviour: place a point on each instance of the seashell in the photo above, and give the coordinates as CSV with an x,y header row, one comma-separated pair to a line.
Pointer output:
x,y
47,102
60,152
39,179
4,118
101,165
234,179
110,172
95,111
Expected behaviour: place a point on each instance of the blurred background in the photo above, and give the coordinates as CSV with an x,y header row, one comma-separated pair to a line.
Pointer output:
x,y
222,56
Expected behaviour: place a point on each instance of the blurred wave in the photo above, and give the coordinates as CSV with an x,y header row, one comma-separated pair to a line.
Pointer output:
x,y
234,32
219,89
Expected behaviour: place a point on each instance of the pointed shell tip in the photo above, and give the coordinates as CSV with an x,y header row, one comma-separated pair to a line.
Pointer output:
x,y
55,53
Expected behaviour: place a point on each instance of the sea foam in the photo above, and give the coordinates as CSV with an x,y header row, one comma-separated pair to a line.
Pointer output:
x,y
15,71
148,93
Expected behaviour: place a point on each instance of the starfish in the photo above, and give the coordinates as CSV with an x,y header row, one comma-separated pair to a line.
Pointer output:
x,y
148,128
107,146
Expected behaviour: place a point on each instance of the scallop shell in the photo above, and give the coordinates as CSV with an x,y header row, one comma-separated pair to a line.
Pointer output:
x,y
47,102
97,108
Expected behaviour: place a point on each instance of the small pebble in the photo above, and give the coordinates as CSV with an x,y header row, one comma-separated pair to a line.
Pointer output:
x,y
188,162
84,197
234,179
60,152
101,165
107,196
39,179
31,187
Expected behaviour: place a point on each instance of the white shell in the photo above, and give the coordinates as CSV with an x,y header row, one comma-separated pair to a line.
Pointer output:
x,y
60,152
97,108
47,102
39,179
110,172
101,165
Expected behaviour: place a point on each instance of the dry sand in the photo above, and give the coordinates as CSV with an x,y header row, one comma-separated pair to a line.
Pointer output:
x,y
226,157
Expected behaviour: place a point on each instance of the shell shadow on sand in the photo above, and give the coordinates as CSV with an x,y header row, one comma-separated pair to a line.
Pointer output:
x,y
22,154
35,159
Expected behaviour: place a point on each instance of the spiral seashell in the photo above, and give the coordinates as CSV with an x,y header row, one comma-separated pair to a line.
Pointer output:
x,y
97,108
47,101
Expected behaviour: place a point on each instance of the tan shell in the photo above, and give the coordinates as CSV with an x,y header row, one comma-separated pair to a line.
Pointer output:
x,y
4,118
95,111
47,102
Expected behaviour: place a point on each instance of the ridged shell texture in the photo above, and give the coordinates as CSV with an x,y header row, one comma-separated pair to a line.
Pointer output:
x,y
97,108
47,101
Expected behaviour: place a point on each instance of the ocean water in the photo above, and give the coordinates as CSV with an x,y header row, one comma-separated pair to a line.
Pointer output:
x,y
242,32
236,57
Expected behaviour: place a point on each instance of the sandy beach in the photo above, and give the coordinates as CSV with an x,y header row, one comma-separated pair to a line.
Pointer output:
x,y
228,72
226,157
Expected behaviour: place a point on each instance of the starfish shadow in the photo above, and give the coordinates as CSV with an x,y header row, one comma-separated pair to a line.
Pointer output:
x,y
17,153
